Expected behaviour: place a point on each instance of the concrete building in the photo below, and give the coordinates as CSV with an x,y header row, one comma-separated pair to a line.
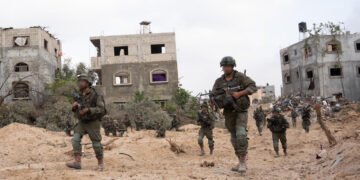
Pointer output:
x,y
32,53
140,62
264,94
323,65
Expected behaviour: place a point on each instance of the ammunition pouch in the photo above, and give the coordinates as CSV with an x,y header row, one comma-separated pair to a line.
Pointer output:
x,y
243,102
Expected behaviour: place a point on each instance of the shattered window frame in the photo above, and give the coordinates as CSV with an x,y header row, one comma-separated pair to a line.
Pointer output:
x,y
21,90
287,78
286,60
117,50
333,47
27,44
307,74
121,76
331,71
46,44
357,46
21,67
158,49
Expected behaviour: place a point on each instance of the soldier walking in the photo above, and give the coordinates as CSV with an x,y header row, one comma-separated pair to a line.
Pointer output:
x,y
88,109
294,115
121,128
278,125
258,116
206,121
139,122
235,107
127,122
306,115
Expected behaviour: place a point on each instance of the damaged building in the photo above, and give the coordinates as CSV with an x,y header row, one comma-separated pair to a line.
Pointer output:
x,y
264,94
322,65
29,58
140,62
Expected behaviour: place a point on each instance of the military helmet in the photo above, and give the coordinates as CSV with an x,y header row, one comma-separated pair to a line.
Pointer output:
x,y
278,110
84,77
227,61
204,105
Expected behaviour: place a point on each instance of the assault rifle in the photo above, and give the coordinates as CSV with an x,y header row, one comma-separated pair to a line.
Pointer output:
x,y
228,101
78,99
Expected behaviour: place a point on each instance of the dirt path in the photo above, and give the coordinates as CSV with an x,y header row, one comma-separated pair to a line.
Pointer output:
x,y
33,153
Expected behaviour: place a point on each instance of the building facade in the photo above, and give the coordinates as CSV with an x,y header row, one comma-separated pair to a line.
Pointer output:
x,y
323,65
141,62
29,58
264,94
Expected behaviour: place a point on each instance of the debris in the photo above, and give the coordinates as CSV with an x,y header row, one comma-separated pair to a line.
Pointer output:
x,y
336,162
127,155
207,164
174,147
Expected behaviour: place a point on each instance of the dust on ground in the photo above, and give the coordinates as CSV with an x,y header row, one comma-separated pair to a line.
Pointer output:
x,y
33,153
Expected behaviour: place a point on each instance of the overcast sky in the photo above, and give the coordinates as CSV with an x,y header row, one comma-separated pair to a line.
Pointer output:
x,y
252,31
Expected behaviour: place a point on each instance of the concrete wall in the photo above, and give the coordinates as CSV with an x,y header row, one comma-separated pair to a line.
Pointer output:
x,y
42,63
140,81
320,62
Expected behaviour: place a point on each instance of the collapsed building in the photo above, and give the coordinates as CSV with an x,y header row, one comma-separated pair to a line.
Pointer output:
x,y
322,65
264,94
144,62
29,58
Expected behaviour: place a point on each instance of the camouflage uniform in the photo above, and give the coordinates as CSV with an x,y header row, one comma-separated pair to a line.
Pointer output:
x,y
305,115
139,123
68,128
259,120
175,123
278,128
206,121
160,130
106,124
90,122
294,115
121,128
127,122
236,121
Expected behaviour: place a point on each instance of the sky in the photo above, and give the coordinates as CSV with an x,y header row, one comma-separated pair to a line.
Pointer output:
x,y
251,31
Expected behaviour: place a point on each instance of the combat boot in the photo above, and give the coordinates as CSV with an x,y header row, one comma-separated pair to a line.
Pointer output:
x,y
285,152
77,162
100,163
202,152
241,167
277,154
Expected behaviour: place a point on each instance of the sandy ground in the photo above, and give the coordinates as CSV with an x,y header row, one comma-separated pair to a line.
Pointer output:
x,y
32,153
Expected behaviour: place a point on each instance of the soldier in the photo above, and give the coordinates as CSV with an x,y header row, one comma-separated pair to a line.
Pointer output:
x,y
121,128
263,116
114,126
160,130
206,121
139,122
278,125
106,124
294,115
175,123
89,108
235,106
127,122
305,115
258,116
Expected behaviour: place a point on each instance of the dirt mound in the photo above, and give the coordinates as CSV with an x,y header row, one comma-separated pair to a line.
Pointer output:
x,y
35,153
